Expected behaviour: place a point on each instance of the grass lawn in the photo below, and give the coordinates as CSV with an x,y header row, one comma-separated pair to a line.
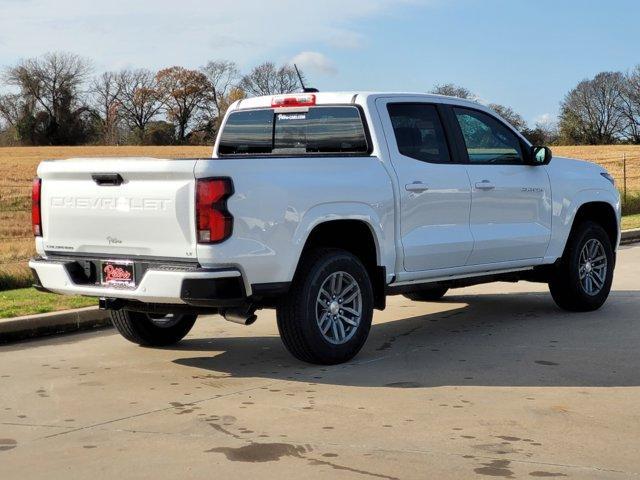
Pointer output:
x,y
27,301
631,221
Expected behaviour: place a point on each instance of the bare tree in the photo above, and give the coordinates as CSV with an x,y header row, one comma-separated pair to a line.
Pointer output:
x,y
542,133
510,115
236,93
12,108
630,104
53,83
105,93
224,77
592,112
453,90
139,99
267,79
184,93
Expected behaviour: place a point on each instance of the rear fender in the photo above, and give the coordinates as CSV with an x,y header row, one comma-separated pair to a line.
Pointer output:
x,y
333,211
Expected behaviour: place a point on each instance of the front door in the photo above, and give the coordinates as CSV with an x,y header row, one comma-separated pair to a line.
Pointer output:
x,y
435,193
511,201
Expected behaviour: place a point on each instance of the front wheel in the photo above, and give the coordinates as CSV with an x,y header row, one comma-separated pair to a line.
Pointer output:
x,y
326,316
583,277
152,330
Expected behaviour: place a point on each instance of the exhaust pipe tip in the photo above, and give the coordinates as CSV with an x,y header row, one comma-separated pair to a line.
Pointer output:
x,y
243,316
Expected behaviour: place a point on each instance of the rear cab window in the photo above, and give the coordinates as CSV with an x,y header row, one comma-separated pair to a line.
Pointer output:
x,y
317,130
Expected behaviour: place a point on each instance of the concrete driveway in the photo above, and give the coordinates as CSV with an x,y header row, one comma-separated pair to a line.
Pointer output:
x,y
494,381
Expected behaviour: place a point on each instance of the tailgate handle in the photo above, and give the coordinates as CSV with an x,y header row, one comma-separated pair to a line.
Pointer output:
x,y
107,179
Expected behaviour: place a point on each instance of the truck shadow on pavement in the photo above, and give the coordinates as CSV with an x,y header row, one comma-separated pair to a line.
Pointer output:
x,y
475,340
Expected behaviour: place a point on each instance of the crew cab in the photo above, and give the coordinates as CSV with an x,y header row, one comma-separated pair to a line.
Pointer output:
x,y
320,205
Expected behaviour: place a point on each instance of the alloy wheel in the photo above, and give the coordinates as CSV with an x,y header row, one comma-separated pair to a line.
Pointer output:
x,y
592,268
339,308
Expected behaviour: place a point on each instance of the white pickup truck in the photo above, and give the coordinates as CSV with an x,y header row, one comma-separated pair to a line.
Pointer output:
x,y
320,205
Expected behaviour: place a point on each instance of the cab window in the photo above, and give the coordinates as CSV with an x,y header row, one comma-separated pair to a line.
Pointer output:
x,y
488,140
418,131
320,130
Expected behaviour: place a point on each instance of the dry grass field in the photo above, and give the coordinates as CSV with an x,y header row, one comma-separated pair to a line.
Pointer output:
x,y
18,167
611,158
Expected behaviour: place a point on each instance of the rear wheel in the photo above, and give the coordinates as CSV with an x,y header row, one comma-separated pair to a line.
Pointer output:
x,y
326,317
152,330
583,277
427,295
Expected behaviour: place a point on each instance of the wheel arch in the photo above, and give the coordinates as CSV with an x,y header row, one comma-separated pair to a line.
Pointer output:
x,y
357,236
601,205
602,213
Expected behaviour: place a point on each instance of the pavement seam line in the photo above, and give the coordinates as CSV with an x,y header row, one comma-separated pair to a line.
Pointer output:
x,y
196,402
16,424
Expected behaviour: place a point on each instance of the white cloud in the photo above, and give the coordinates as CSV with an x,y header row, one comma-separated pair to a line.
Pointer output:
x,y
545,119
314,62
157,33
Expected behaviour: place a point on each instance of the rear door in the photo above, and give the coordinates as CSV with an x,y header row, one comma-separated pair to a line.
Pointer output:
x,y
435,193
511,201
119,207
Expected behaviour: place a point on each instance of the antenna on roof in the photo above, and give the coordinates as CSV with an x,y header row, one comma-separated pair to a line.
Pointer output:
x,y
304,89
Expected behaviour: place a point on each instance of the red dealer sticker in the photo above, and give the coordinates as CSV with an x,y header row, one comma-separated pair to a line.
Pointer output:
x,y
118,273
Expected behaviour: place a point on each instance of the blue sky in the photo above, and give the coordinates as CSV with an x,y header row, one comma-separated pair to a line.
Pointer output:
x,y
525,54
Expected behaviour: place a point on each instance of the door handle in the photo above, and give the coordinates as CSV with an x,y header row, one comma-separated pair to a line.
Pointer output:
x,y
485,185
416,187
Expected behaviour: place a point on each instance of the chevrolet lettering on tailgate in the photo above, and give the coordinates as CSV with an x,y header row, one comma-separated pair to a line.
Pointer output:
x,y
111,203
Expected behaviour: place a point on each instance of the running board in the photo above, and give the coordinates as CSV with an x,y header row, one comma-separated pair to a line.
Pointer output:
x,y
491,274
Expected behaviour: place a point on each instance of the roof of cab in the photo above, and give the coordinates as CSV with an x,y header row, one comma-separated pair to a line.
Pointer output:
x,y
363,98
333,98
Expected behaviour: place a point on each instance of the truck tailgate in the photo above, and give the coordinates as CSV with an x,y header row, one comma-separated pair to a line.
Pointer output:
x,y
121,207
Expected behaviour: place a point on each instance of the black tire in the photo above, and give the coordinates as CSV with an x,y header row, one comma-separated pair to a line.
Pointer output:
x,y
140,328
297,312
428,294
565,285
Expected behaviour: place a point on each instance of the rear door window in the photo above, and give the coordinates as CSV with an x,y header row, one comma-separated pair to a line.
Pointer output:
x,y
418,131
318,130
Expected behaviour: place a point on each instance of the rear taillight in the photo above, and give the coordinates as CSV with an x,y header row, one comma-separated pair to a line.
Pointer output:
x,y
36,214
294,100
213,221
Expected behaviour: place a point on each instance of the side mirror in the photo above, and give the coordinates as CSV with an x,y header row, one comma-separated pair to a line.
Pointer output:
x,y
540,155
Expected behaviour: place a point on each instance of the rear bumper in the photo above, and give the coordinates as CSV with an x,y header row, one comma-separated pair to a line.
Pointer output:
x,y
158,284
